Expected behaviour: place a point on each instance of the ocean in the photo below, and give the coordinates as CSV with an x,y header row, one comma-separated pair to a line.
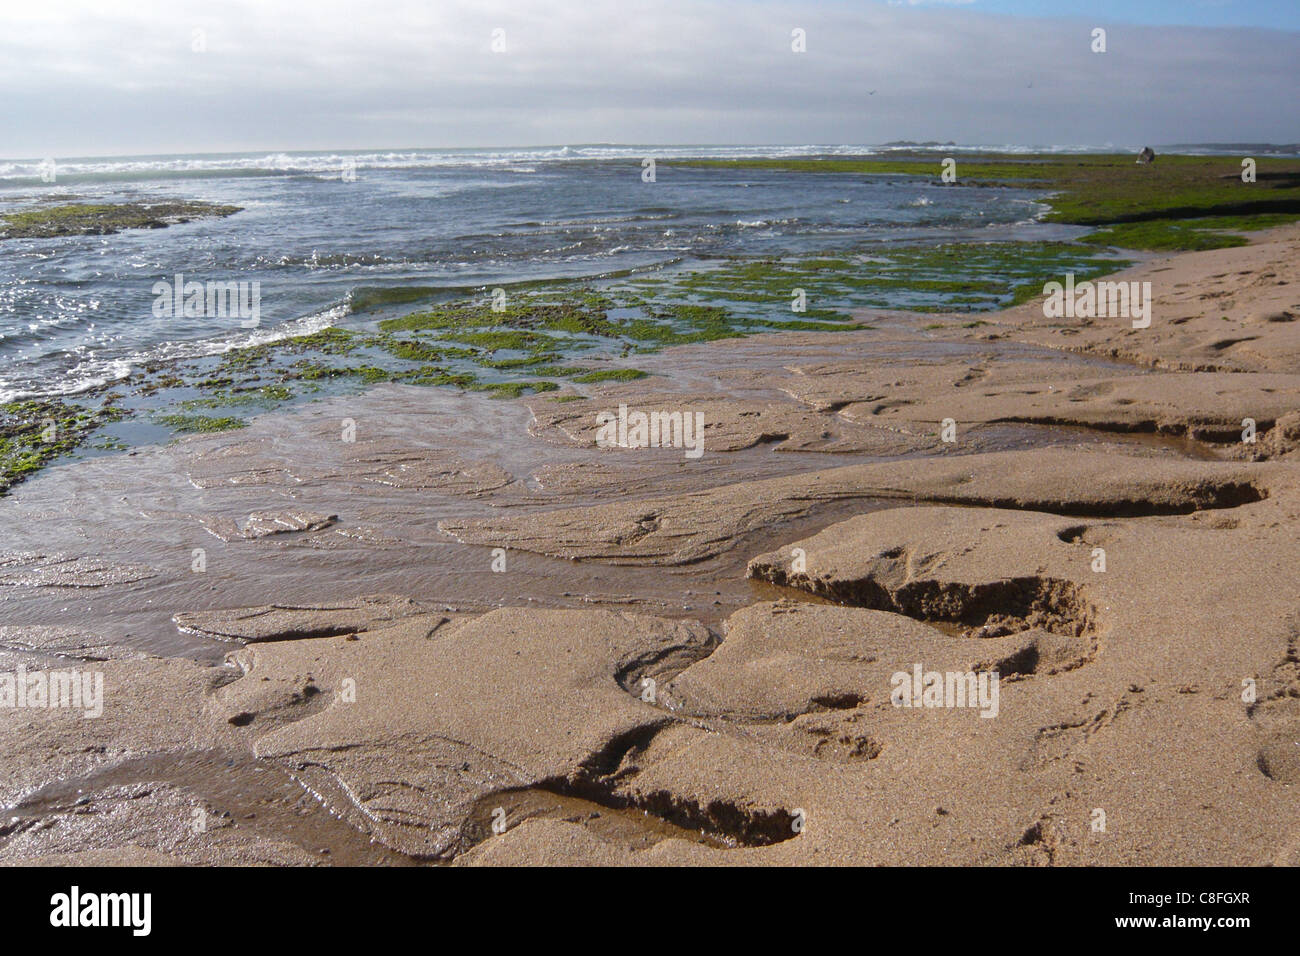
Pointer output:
x,y
345,239
321,232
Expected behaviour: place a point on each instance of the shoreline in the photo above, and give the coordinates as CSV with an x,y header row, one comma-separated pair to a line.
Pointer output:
x,y
474,689
536,338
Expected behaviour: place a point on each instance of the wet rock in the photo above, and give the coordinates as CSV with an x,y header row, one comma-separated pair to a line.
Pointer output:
x,y
728,425
686,528
262,524
399,466
288,623
337,539
1207,405
247,462
33,570
62,642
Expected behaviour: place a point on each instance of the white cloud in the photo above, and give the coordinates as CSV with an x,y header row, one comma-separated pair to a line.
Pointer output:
x,y
113,77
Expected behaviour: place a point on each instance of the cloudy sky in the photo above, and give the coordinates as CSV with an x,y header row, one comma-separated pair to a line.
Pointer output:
x,y
101,77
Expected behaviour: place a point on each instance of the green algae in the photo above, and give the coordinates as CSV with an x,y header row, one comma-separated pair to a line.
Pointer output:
x,y
201,424
1187,235
468,339
514,389
35,433
1103,190
102,219
265,395
465,343
611,375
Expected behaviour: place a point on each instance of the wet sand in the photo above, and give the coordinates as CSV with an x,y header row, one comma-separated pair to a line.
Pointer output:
x,y
309,656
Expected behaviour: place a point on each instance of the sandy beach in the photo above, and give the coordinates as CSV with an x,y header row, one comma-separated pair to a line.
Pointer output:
x,y
424,626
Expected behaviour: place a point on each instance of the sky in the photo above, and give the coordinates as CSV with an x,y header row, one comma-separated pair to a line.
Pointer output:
x,y
1277,14
114,77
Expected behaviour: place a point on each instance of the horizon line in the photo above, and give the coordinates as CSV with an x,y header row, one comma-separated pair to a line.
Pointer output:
x,y
929,143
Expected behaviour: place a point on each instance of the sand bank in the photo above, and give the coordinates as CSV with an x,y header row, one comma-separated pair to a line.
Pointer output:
x,y
472,635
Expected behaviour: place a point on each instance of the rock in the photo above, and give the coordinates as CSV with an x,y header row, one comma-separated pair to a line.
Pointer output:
x,y
33,570
263,524
62,643
289,623
686,528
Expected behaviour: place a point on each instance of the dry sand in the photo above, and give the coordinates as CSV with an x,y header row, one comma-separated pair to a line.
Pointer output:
x,y
691,662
